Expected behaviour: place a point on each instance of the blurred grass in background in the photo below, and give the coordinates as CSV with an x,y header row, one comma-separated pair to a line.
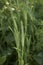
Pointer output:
x,y
21,32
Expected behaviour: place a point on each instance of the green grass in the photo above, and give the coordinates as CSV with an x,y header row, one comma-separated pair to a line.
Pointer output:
x,y
21,32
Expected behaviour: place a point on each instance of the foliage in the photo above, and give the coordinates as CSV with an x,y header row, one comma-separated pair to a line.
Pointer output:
x,y
21,32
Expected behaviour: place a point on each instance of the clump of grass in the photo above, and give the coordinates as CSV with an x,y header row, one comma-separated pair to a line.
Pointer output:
x,y
20,34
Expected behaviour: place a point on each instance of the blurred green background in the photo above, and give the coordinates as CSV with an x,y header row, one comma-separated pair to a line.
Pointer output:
x,y
21,32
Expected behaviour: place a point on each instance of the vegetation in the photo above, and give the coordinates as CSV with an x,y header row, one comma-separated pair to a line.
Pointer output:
x,y
21,32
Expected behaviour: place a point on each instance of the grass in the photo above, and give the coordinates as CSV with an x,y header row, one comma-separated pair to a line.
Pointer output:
x,y
21,29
